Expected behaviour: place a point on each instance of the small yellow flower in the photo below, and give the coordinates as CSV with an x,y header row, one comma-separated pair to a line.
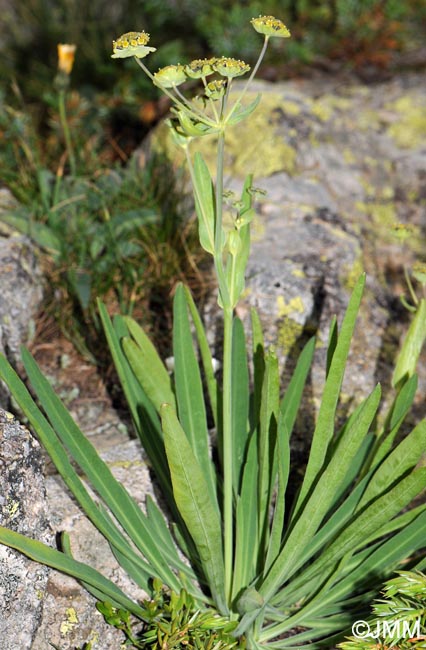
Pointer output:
x,y
270,26
131,44
170,76
200,68
216,89
66,54
230,67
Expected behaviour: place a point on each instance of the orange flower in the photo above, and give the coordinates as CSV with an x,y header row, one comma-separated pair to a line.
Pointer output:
x,y
66,55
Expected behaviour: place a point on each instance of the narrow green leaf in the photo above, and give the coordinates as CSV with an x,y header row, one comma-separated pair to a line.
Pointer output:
x,y
51,557
115,496
368,523
403,458
189,390
150,371
333,337
246,528
325,423
398,412
283,464
239,400
267,441
321,498
258,367
412,346
48,438
240,112
144,415
204,203
193,499
206,356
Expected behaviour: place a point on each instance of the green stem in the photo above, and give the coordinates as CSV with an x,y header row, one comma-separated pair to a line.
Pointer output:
x,y
250,79
184,107
67,134
227,452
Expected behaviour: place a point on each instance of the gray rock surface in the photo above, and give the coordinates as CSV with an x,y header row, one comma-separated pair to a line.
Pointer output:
x,y
69,616
23,508
21,283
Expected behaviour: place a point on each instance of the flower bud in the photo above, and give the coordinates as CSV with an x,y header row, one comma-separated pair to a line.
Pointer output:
x,y
66,54
270,26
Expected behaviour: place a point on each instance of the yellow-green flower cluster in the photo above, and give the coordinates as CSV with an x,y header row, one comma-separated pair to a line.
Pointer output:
x,y
228,67
131,44
170,76
216,89
200,68
270,26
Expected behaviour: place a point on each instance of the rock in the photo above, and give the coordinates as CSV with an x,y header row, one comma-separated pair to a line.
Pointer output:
x,y
23,508
69,616
21,282
355,169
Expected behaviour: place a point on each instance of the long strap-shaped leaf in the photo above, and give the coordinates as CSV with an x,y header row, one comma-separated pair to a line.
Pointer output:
x,y
322,498
51,557
325,424
144,415
50,442
289,408
149,369
206,356
193,500
189,390
239,401
115,496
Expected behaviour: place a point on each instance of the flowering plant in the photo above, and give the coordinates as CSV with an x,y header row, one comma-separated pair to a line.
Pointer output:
x,y
283,572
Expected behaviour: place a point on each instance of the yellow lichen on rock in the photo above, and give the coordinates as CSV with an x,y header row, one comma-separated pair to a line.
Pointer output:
x,y
409,129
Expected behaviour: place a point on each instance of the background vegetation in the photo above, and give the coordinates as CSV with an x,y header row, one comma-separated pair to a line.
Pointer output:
x,y
94,222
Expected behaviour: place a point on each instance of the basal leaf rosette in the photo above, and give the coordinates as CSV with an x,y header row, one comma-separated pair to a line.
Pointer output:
x,y
270,26
131,44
